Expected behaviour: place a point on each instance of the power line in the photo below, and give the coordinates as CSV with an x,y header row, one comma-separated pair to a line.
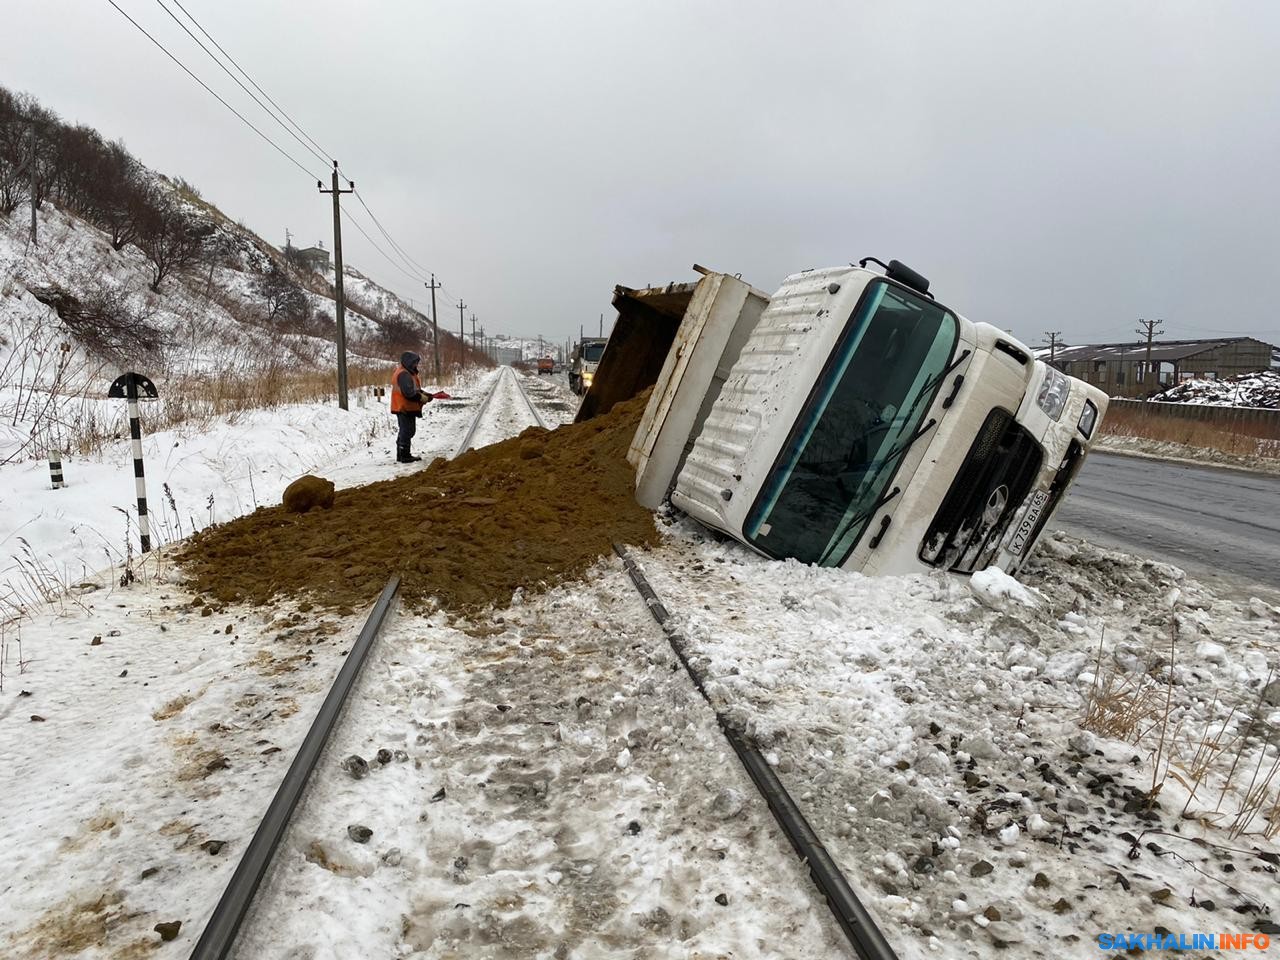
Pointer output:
x,y
390,239
232,59
355,223
211,91
187,30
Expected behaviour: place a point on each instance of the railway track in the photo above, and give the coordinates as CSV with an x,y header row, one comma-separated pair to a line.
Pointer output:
x,y
508,390
219,937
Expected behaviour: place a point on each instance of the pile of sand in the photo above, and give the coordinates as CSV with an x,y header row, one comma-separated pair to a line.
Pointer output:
x,y
525,513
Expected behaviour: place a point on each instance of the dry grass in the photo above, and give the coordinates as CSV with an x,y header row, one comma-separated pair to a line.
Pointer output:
x,y
1240,438
1135,708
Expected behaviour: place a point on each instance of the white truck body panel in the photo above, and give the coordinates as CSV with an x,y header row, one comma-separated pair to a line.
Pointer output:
x,y
716,324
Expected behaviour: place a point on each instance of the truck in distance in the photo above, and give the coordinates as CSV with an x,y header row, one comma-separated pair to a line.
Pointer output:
x,y
584,362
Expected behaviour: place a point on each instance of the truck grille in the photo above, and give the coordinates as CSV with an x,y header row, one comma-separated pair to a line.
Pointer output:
x,y
991,484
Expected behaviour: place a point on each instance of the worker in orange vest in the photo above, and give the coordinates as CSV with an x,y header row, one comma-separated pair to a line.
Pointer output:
x,y
407,401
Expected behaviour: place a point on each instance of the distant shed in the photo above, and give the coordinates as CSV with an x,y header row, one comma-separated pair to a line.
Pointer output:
x,y
1120,368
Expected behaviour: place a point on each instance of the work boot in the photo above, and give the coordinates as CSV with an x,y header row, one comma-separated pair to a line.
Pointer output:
x,y
403,455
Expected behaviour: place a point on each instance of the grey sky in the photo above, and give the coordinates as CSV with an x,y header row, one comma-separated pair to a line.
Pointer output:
x,y
1067,166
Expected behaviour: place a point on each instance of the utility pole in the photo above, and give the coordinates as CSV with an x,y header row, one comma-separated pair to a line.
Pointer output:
x,y
475,344
1055,338
462,335
602,325
339,295
435,327
1149,329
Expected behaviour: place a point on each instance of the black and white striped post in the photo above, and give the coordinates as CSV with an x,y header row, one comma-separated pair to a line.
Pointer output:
x,y
55,469
128,386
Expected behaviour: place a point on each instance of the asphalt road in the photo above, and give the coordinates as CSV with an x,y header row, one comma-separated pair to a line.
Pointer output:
x,y
1218,524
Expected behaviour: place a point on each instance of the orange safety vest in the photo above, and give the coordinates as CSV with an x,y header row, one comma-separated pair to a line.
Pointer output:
x,y
399,403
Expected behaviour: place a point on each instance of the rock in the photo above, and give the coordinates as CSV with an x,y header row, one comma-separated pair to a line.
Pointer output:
x,y
1271,693
727,804
1040,881
357,766
438,795
213,847
924,865
1062,906
722,899
980,747
980,869
36,718
383,756
991,913
359,833
168,929
307,493
95,642
400,756
1076,805
656,919
1002,932
633,827
392,857
149,872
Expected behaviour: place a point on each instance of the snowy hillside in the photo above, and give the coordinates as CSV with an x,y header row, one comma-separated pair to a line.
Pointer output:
x,y
75,313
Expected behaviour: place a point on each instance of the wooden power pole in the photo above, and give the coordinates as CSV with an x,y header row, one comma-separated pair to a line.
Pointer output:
x,y
1055,338
339,295
1149,329
435,327
462,334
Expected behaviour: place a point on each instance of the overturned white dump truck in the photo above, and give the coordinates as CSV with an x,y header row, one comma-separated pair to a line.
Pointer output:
x,y
849,420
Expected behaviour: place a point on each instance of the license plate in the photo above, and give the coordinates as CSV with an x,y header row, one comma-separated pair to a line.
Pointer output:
x,y
1029,521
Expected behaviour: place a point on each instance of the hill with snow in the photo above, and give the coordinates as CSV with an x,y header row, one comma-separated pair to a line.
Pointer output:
x,y
133,270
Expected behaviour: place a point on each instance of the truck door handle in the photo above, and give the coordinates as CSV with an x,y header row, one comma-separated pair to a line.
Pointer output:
x,y
955,388
884,525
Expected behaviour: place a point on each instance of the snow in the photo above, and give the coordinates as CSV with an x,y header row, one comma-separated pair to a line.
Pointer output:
x,y
552,783
1247,390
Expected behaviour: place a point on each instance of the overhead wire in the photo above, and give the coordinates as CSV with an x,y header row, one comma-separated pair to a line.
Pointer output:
x,y
246,75
185,69
223,67
390,239
355,223
322,155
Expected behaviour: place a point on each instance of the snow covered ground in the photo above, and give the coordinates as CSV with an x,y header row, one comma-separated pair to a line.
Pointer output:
x,y
553,787
196,476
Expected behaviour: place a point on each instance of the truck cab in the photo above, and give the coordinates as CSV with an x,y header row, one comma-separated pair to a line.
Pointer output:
x,y
853,420
584,362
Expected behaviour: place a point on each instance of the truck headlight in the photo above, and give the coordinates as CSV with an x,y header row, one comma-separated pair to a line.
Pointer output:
x,y
587,378
1088,419
1053,392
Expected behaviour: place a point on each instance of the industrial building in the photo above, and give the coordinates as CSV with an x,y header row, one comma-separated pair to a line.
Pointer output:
x,y
1121,368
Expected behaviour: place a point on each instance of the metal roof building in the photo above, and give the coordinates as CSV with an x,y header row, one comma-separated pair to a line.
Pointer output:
x,y
1120,368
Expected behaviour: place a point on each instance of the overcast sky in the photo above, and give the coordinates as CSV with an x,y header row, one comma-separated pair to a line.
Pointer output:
x,y
1062,166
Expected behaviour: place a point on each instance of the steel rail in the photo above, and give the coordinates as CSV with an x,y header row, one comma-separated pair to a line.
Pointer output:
x,y
220,932
475,421
537,415
866,938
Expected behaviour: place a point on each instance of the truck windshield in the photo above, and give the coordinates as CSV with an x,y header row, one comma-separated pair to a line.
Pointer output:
x,y
845,446
591,352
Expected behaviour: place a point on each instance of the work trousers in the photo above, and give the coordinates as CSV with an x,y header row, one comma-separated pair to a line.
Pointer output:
x,y
408,427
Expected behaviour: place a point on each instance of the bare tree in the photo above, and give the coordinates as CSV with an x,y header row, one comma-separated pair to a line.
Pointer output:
x,y
172,240
284,298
